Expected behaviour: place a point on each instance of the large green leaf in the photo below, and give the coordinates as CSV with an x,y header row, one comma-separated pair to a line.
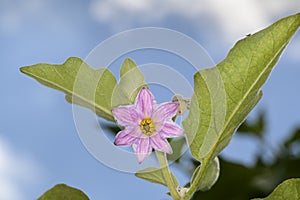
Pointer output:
x,y
154,175
96,89
225,94
131,81
288,190
62,191
82,84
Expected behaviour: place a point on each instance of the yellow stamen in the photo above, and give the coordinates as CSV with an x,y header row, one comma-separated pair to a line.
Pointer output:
x,y
147,126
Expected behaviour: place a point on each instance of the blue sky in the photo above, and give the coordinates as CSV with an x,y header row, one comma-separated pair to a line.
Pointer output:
x,y
39,144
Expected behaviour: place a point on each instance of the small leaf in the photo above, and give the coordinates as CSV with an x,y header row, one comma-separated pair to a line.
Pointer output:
x,y
131,81
225,94
127,66
154,175
210,176
62,191
289,189
82,84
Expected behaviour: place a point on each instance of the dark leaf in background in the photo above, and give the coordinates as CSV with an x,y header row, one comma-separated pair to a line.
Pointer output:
x,y
256,128
237,182
295,137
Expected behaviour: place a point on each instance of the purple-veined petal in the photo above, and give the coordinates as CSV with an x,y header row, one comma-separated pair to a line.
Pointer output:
x,y
170,129
165,111
144,102
142,148
127,136
161,144
126,115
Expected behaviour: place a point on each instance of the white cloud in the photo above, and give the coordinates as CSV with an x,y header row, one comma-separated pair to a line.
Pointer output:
x,y
16,171
235,18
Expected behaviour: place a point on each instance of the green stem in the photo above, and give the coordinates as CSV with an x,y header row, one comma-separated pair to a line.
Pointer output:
x,y
196,181
167,175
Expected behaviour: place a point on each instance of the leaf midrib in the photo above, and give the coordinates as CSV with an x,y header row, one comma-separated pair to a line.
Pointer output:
x,y
97,106
239,104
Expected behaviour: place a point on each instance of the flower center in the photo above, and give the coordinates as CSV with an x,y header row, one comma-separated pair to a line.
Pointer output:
x,y
147,126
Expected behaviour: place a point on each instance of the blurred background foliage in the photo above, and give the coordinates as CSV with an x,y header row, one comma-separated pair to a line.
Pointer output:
x,y
237,181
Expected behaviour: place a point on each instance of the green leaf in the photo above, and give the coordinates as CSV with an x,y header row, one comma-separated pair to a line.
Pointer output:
x,y
210,176
295,137
177,144
154,175
62,191
237,182
82,84
225,94
289,189
131,81
94,89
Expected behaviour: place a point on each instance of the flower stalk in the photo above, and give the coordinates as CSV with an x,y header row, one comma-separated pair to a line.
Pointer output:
x,y
167,174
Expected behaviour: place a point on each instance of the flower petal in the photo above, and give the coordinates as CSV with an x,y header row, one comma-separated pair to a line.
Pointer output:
x,y
127,136
142,149
144,102
165,111
126,115
170,129
161,144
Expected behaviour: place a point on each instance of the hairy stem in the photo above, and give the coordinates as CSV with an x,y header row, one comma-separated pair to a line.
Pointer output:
x,y
167,175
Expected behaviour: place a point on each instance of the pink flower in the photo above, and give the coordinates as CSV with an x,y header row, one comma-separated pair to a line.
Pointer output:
x,y
147,125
